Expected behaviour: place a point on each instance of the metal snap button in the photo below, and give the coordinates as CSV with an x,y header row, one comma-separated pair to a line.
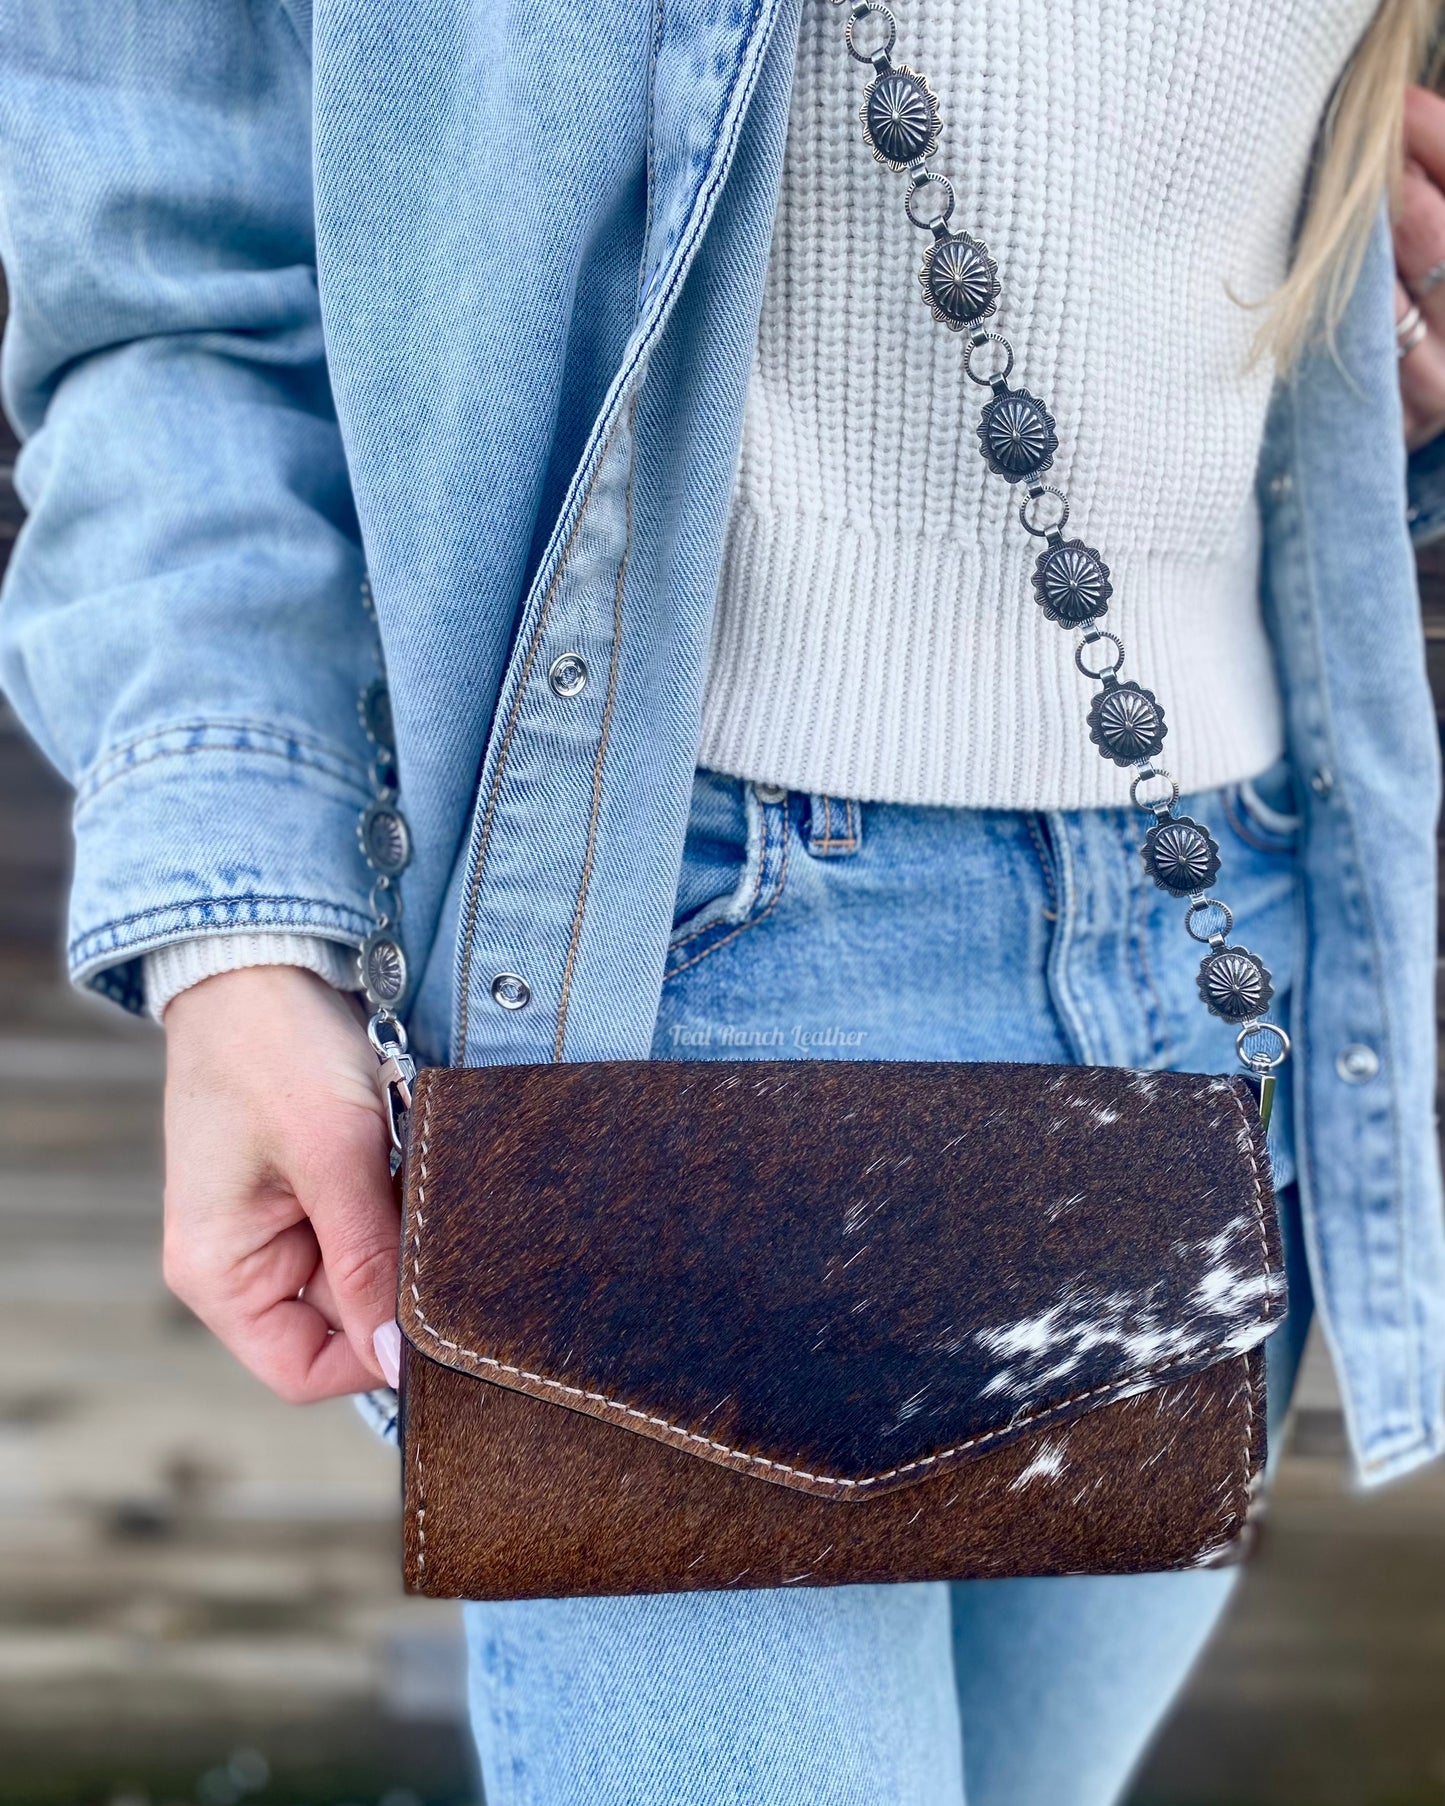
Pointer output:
x,y
771,793
1322,781
1357,1064
510,991
568,675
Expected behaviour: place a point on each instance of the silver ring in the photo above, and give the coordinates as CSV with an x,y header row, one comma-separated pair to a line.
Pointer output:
x,y
385,1030
1261,1061
1202,903
384,900
1410,330
856,17
1160,804
1027,518
1091,639
920,178
978,340
1433,277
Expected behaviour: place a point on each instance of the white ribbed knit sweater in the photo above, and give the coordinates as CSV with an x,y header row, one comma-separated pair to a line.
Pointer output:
x,y
1130,166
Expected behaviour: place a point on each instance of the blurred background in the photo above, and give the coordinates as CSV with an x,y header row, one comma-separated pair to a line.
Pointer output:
x,y
199,1603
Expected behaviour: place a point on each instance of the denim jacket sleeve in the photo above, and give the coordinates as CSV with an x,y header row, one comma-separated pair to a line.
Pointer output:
x,y
182,627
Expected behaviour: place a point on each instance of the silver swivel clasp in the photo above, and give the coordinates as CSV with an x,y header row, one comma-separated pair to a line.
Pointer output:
x,y
396,1071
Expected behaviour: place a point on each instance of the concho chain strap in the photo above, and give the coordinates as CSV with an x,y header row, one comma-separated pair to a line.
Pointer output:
x,y
1018,438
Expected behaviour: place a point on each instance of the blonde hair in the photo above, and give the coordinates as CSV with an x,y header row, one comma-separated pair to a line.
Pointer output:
x,y
1361,160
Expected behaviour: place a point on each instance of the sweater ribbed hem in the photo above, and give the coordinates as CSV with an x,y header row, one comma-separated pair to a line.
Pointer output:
x,y
175,968
922,670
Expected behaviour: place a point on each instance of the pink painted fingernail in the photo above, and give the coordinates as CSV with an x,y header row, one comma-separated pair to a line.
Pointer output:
x,y
386,1340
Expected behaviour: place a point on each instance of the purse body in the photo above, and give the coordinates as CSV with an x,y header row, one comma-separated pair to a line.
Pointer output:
x,y
677,1325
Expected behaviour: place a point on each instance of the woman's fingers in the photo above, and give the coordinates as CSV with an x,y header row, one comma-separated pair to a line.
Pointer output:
x,y
1419,231
296,1301
1425,132
345,1189
248,1291
1419,234
317,1293
1422,374
291,1348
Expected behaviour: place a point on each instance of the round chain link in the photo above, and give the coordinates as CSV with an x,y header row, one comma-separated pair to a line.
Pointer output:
x,y
1050,528
859,13
384,901
1092,638
921,177
1208,937
977,343
1160,805
1260,1060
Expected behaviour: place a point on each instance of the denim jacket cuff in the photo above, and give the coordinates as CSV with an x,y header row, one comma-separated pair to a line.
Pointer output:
x,y
203,828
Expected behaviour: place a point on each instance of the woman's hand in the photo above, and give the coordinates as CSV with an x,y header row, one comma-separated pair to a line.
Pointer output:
x,y
281,1226
1420,267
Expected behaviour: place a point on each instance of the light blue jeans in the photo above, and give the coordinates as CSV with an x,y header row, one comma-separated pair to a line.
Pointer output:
x,y
813,926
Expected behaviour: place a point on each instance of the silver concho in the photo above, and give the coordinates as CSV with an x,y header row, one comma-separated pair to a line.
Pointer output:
x,y
1126,722
960,281
383,969
385,838
1235,984
1016,435
1181,856
901,121
1072,583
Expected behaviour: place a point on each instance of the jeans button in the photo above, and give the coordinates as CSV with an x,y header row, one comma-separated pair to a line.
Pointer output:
x,y
771,793
1357,1064
510,991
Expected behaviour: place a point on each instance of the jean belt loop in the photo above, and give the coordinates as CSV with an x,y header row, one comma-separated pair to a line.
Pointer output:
x,y
835,826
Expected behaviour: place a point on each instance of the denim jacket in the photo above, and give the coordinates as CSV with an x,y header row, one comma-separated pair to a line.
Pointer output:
x,y
475,289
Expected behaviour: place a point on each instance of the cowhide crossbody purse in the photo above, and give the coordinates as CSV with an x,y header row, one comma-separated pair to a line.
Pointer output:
x,y
673,1325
